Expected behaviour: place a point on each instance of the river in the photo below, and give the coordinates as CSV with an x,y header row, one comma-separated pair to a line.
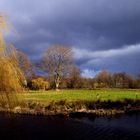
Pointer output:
x,y
22,127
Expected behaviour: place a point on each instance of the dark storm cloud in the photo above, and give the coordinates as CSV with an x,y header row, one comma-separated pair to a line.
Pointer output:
x,y
123,59
98,30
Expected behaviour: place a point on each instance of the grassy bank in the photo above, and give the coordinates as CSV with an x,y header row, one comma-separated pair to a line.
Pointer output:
x,y
99,102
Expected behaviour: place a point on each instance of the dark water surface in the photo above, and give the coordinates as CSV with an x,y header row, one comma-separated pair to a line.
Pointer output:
x,y
126,127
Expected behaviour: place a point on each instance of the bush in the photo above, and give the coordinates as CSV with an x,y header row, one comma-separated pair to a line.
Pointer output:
x,y
40,84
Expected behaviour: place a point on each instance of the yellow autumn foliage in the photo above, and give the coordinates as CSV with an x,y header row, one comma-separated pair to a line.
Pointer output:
x,y
11,77
40,84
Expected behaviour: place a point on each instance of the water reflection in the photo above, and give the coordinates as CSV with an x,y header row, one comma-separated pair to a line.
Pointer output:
x,y
102,128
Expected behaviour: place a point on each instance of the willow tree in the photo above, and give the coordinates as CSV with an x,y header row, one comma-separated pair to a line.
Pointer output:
x,y
11,76
56,61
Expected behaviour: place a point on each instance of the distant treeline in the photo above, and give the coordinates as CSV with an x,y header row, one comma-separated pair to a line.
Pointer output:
x,y
104,79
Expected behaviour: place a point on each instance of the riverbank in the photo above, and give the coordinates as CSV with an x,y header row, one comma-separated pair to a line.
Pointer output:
x,y
77,108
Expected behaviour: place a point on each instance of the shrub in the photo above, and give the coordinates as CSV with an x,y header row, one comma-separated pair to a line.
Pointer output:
x,y
40,84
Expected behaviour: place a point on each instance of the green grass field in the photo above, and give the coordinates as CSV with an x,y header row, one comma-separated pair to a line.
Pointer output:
x,y
90,95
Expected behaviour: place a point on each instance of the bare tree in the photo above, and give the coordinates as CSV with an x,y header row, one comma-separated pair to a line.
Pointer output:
x,y
123,80
104,78
56,61
74,76
25,65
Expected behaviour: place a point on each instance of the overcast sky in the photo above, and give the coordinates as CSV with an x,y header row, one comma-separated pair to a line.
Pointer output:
x,y
104,34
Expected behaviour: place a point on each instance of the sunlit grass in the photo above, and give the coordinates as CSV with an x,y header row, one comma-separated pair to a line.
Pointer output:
x,y
90,95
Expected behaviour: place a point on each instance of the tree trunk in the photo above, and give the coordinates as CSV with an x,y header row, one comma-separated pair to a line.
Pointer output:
x,y
57,82
57,86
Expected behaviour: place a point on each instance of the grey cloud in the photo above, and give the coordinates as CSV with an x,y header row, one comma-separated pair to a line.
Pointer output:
x,y
125,59
95,26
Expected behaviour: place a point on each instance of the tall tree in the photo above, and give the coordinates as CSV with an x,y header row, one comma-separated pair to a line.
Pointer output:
x,y
123,80
104,78
74,76
25,65
56,61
